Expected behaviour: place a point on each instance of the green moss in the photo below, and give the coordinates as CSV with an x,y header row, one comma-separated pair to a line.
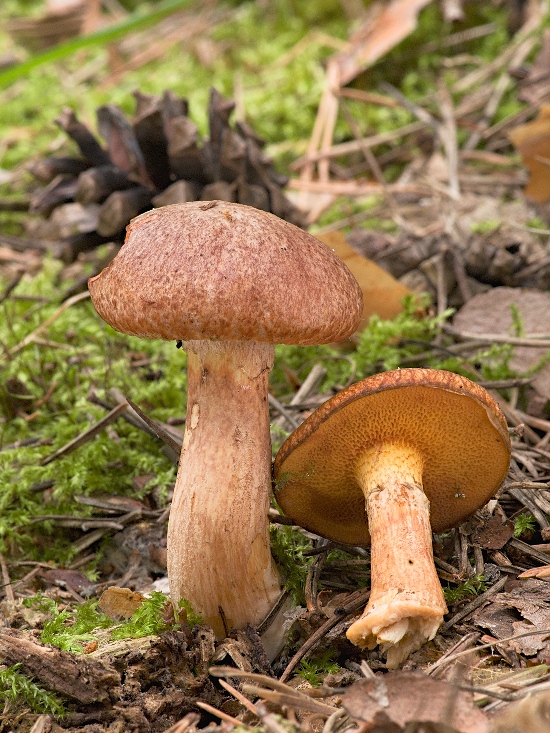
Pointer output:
x,y
386,344
537,223
19,690
369,210
191,616
288,546
70,629
90,357
146,620
314,670
300,360
468,589
524,523
485,227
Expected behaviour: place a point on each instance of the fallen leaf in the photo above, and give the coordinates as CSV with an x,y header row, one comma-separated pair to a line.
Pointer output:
x,y
524,608
382,293
395,701
532,141
120,602
68,579
90,647
530,715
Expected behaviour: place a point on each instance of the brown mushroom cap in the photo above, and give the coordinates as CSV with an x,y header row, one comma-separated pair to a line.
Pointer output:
x,y
455,423
223,271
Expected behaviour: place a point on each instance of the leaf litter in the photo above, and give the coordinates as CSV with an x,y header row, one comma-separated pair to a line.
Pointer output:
x,y
464,226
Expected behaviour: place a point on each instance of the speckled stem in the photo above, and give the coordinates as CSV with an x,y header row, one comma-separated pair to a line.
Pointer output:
x,y
406,603
218,535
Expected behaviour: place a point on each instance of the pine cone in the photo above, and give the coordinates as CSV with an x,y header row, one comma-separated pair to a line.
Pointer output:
x,y
157,160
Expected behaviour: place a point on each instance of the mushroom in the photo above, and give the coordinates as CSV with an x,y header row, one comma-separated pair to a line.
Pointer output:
x,y
229,281
386,461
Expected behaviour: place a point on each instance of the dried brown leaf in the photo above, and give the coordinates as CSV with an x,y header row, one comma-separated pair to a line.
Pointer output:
x,y
530,715
66,578
120,602
532,141
493,534
394,701
382,293
524,608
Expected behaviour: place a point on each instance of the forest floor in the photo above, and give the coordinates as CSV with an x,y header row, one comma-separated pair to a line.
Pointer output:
x,y
450,201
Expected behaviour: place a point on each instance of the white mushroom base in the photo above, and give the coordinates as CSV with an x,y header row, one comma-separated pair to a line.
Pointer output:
x,y
406,604
219,556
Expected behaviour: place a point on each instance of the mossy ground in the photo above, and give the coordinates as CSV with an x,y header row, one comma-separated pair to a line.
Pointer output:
x,y
270,56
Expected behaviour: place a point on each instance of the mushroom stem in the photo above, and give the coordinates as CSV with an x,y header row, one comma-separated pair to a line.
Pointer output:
x,y
406,603
219,556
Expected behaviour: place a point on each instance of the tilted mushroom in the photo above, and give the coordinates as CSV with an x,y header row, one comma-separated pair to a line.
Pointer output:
x,y
230,281
387,461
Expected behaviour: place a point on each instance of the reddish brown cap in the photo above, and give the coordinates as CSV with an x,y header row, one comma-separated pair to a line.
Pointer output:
x,y
223,271
455,424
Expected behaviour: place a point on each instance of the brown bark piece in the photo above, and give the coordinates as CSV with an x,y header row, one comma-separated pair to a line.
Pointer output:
x,y
245,649
78,678
493,534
